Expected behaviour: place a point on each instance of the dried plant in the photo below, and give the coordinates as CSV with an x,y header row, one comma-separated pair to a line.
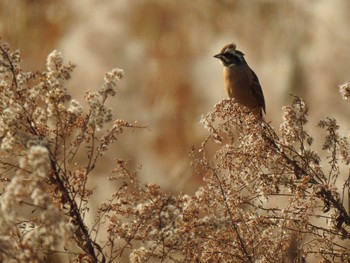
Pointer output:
x,y
42,132
266,196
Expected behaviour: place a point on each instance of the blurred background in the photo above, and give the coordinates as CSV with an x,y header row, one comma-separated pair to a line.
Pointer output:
x,y
171,78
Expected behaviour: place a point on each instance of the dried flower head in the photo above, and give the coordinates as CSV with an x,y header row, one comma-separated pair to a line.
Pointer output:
x,y
345,90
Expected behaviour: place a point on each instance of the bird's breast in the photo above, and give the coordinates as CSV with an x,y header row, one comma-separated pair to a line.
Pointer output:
x,y
238,85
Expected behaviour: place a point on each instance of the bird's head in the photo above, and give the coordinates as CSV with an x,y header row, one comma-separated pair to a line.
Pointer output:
x,y
230,56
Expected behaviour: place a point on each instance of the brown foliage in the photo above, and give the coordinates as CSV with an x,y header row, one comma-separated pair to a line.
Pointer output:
x,y
266,196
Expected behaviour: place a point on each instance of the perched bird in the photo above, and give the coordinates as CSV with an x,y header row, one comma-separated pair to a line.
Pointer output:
x,y
241,82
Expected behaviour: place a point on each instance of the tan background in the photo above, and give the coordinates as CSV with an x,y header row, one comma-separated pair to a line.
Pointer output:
x,y
171,78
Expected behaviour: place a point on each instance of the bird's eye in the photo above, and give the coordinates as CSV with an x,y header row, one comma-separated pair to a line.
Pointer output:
x,y
229,55
232,58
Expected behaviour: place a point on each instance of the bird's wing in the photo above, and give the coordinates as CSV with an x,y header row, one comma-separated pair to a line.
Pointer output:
x,y
257,91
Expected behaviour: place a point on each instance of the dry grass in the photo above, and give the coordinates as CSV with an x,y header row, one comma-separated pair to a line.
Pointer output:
x,y
237,215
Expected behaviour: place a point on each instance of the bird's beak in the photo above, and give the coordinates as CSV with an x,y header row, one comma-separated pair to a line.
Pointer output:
x,y
219,56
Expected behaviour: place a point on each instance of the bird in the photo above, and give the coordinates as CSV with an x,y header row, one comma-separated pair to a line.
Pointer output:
x,y
241,83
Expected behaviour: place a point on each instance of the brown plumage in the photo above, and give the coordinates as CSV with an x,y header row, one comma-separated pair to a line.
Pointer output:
x,y
241,83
